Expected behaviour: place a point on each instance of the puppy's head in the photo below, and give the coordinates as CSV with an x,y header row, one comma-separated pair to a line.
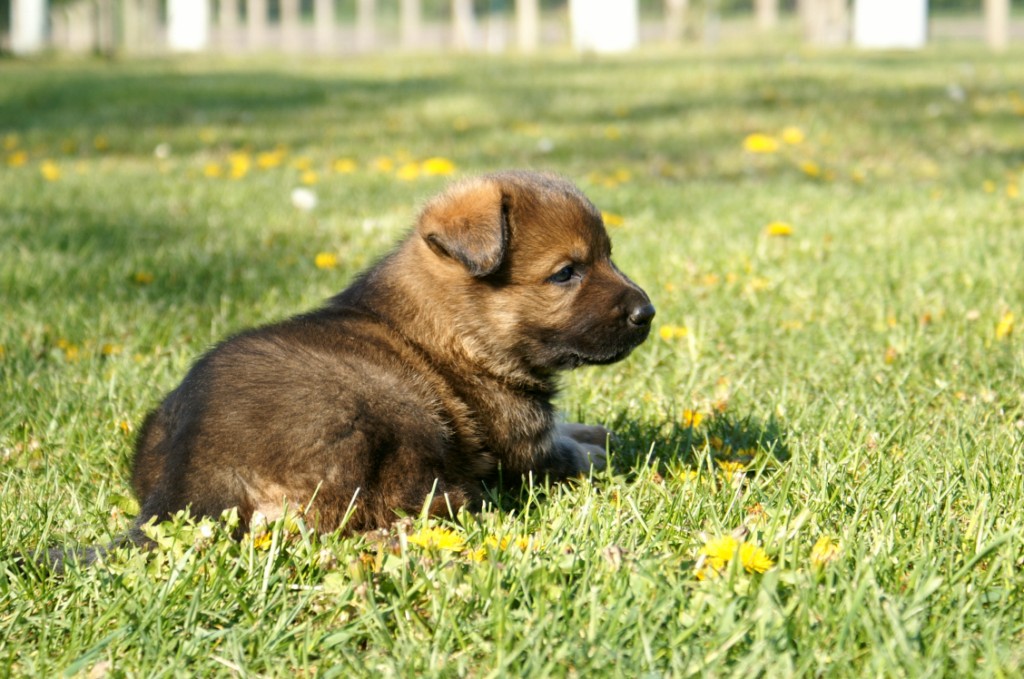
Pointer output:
x,y
526,271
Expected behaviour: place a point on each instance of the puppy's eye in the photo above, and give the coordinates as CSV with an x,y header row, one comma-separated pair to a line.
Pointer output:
x,y
564,275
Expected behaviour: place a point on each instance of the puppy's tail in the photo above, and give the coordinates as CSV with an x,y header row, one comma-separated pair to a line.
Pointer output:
x,y
57,560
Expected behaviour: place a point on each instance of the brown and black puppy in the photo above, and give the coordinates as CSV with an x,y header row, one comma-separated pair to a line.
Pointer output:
x,y
434,370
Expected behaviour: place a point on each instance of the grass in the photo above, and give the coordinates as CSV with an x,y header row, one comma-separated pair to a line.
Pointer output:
x,y
854,380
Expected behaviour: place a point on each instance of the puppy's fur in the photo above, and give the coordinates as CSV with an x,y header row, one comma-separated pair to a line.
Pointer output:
x,y
432,372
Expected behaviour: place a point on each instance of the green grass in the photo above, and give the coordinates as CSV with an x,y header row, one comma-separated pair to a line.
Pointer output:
x,y
855,364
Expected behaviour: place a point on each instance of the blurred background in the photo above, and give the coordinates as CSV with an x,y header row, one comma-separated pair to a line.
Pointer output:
x,y
341,27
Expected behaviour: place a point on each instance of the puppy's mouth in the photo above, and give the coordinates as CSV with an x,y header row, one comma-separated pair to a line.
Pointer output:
x,y
575,357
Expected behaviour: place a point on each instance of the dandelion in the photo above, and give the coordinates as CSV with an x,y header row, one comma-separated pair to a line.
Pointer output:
x,y
792,135
760,143
1012,191
17,159
824,552
142,278
613,220
437,167
672,332
101,143
810,168
691,419
776,229
309,177
731,467
269,159
125,426
408,172
383,164
716,554
438,538
213,170
50,171
326,260
1005,326
612,132
240,164
111,349
344,166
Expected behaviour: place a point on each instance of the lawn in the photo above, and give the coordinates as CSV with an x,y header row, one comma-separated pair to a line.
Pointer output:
x,y
820,466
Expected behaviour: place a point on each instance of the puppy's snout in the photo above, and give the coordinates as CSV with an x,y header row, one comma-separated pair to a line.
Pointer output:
x,y
642,314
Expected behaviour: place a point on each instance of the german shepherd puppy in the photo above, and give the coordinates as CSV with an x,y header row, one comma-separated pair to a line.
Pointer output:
x,y
434,370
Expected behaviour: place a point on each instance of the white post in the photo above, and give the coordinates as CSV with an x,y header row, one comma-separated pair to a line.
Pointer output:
x,y
462,24
411,20
366,25
997,24
767,12
323,25
527,25
675,20
290,38
824,21
188,25
883,24
604,25
28,26
256,25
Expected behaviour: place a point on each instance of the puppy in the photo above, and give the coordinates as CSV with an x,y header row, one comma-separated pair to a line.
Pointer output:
x,y
433,372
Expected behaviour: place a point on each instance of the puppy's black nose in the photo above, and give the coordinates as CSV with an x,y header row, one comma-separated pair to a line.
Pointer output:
x,y
642,315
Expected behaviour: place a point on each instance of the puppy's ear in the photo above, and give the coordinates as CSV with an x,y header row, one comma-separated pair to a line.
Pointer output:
x,y
468,223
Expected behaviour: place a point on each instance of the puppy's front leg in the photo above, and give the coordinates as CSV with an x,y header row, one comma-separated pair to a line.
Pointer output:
x,y
588,443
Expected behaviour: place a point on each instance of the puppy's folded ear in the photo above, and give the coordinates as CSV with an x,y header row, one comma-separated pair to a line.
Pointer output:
x,y
468,223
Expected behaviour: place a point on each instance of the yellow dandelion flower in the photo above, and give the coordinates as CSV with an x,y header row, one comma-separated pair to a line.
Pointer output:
x,y
691,419
125,426
71,352
776,229
1012,191
50,171
142,277
325,260
268,159
309,177
760,143
213,170
239,164
623,175
672,332
716,442
858,176
262,542
408,172
613,220
383,164
476,555
612,132
438,538
494,543
11,142
437,167
101,143
824,552
754,559
17,159
792,135
344,166
111,349
810,168
1005,326
730,467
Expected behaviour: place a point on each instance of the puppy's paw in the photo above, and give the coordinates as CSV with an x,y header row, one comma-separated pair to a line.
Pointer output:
x,y
590,434
591,457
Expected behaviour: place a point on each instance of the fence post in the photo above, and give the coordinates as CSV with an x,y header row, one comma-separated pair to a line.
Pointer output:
x,y
323,25
410,18
227,25
527,25
997,24
462,24
256,24
28,26
290,39
366,25
824,21
188,25
767,12
675,20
